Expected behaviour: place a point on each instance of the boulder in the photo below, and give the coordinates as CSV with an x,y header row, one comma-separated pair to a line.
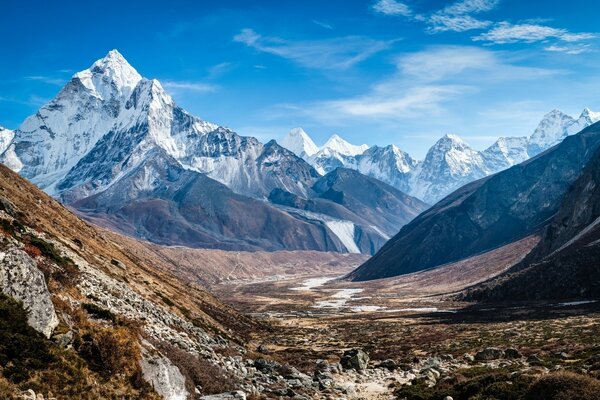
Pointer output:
x,y
163,375
489,354
512,353
355,359
21,279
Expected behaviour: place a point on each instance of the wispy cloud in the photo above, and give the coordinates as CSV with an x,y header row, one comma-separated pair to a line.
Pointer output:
x,y
189,86
569,49
470,7
322,24
458,16
336,53
424,84
506,32
392,7
46,79
218,70
456,23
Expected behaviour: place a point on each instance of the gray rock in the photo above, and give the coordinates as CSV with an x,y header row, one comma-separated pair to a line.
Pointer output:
x,y
489,354
512,353
355,359
388,364
235,395
21,279
63,339
534,360
164,377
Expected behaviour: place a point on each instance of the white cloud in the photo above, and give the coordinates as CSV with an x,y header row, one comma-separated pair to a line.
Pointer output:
x,y
392,7
572,50
424,84
198,87
461,23
322,24
506,32
470,7
336,53
46,79
385,102
456,16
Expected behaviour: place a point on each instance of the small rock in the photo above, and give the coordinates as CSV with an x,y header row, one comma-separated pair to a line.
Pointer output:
x,y
355,359
488,354
388,364
448,398
534,360
469,357
512,353
236,395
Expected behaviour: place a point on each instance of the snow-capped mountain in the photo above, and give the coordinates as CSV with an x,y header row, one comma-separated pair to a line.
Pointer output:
x,y
504,153
388,164
300,143
336,152
48,144
450,163
340,146
555,126
6,137
115,146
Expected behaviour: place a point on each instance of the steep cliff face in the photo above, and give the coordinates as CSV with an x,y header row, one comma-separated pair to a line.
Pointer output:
x,y
564,265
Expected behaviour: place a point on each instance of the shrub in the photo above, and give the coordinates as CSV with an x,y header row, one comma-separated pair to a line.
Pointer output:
x,y
22,349
564,386
99,312
198,371
110,351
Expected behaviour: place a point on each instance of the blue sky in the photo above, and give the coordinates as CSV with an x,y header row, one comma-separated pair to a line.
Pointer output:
x,y
376,72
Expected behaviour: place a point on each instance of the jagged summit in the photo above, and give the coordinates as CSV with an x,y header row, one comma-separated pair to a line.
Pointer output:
x,y
298,141
341,146
108,74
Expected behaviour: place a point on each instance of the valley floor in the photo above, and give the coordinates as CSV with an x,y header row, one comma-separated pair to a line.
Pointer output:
x,y
415,322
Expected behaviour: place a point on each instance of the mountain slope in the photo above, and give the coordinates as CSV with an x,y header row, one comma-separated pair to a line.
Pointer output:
x,y
361,211
564,265
112,123
162,202
95,301
486,213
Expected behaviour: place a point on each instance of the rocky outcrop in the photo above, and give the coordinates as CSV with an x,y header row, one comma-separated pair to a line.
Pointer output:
x,y
21,279
160,372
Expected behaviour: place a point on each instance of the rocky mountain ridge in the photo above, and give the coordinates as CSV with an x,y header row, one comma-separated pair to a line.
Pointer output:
x,y
450,163
487,213
113,143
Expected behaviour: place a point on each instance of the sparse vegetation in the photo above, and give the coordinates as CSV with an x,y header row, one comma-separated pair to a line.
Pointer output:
x,y
198,371
564,386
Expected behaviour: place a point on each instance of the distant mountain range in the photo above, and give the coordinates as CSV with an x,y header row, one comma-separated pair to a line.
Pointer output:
x,y
491,212
116,147
449,164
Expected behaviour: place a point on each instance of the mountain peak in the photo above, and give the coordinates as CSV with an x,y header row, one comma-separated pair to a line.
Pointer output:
x,y
590,115
110,73
298,141
338,144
